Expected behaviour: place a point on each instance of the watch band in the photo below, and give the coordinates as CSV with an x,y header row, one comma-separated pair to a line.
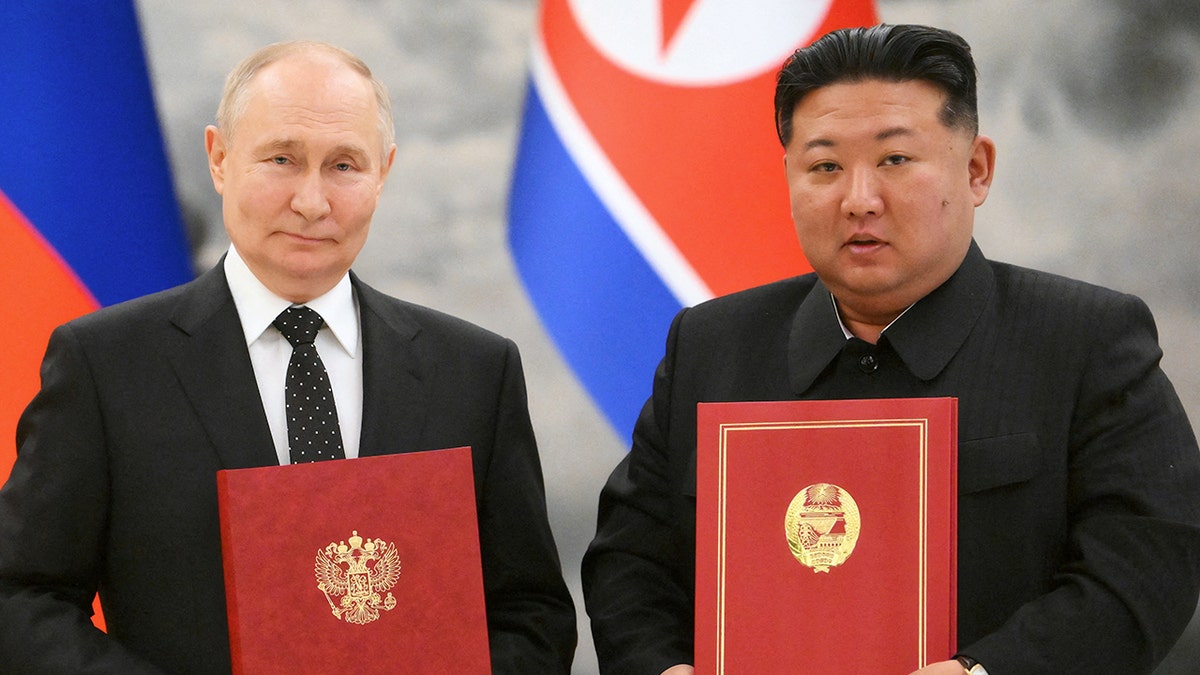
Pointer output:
x,y
971,666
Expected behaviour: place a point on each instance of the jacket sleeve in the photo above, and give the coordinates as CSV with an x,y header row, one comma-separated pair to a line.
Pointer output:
x,y
53,511
637,572
1130,581
531,617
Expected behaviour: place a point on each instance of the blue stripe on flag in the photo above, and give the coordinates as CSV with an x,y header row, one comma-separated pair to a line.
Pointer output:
x,y
604,306
84,156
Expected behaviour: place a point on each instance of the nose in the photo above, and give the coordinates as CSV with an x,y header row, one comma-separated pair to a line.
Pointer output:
x,y
309,198
862,196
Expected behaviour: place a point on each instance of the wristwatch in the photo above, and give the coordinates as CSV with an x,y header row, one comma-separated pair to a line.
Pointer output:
x,y
970,665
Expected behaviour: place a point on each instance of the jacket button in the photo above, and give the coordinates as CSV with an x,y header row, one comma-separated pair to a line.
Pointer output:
x,y
868,363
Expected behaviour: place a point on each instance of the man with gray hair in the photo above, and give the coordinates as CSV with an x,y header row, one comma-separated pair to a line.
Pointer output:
x,y
114,487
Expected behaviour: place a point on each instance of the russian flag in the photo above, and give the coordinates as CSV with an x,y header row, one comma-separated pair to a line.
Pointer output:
x,y
648,174
88,215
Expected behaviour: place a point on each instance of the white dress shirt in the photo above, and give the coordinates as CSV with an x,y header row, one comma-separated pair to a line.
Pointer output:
x,y
338,342
846,331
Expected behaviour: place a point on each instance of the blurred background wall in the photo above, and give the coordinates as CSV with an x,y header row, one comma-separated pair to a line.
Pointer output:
x,y
1095,106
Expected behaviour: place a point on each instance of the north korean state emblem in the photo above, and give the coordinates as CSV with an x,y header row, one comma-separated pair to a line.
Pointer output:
x,y
822,525
359,571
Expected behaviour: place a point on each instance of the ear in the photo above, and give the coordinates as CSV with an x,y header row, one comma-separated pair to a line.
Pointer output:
x,y
981,167
215,147
387,166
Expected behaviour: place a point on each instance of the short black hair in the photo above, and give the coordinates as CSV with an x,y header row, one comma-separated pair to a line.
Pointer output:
x,y
893,53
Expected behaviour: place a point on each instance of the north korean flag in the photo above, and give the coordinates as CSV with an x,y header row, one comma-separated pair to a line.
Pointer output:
x,y
648,174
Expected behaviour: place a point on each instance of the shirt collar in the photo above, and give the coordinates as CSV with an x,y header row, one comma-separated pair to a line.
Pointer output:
x,y
257,306
925,337
933,330
842,324
817,337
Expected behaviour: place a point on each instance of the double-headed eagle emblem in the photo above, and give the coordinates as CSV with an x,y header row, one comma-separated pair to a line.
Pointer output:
x,y
359,571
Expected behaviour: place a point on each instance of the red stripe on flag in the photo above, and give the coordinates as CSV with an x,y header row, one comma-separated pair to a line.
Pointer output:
x,y
705,161
37,292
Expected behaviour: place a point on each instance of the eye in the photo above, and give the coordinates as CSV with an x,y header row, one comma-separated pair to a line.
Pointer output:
x,y
343,166
894,160
279,159
824,167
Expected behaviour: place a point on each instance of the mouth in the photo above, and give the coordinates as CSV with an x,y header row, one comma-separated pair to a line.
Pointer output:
x,y
862,244
301,239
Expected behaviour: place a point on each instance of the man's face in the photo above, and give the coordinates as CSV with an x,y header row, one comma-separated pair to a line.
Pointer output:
x,y
883,194
300,173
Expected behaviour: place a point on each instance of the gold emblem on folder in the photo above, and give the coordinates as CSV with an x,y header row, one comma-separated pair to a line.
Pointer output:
x,y
358,570
822,525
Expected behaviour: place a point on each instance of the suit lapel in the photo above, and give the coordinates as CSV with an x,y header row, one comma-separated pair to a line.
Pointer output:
x,y
395,376
213,367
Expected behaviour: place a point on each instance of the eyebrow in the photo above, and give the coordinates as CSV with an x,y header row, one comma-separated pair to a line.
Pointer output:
x,y
285,144
884,135
893,132
280,144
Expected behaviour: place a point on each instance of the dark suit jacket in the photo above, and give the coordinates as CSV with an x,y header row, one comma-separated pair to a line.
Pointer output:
x,y
1079,475
142,403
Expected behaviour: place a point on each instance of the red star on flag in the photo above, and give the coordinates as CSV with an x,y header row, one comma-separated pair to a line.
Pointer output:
x,y
673,13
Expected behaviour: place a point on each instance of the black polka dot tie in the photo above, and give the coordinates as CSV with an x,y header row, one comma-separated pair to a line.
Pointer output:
x,y
312,421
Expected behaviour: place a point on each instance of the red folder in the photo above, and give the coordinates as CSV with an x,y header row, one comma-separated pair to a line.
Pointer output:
x,y
825,535
367,565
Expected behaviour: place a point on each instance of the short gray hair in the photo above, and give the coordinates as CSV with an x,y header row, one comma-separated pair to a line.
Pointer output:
x,y
234,101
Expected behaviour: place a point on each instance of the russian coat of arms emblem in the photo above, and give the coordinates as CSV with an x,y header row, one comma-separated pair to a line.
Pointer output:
x,y
822,525
358,571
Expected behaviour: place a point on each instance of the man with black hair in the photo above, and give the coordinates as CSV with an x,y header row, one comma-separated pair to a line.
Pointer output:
x,y
1079,473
